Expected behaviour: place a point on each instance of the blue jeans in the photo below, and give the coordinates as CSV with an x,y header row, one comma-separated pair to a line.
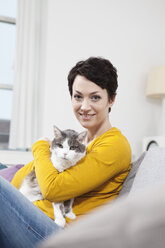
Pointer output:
x,y
22,224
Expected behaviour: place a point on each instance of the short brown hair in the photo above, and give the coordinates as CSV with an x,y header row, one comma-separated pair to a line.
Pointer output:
x,y
98,70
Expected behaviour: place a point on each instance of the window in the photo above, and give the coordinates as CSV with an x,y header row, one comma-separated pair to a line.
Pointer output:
x,y
7,51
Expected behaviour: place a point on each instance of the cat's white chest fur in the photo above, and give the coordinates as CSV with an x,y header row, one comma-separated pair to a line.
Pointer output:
x,y
59,163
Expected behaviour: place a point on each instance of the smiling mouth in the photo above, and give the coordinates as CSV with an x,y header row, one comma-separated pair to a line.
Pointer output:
x,y
86,116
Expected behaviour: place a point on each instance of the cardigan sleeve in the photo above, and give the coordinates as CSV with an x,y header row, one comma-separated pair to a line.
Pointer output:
x,y
21,174
100,164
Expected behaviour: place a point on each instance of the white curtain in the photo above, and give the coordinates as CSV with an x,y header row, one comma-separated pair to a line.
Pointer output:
x,y
27,85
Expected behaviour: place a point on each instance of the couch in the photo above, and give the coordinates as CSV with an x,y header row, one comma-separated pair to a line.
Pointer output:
x,y
136,219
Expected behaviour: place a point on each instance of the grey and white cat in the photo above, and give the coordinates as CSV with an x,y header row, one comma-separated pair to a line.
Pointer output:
x,y
67,148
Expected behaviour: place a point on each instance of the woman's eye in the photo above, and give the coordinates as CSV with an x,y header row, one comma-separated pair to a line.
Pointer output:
x,y
59,145
95,97
77,97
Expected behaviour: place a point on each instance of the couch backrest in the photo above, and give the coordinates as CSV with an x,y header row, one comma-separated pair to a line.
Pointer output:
x,y
131,176
149,169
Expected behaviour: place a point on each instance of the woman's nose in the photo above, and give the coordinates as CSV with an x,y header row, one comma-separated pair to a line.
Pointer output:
x,y
85,105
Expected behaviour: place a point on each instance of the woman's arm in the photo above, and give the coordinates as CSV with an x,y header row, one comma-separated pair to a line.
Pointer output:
x,y
99,165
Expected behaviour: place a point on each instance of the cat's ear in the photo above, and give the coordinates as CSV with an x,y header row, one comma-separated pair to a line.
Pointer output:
x,y
57,132
82,137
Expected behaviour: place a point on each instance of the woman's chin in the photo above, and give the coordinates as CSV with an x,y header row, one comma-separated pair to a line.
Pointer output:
x,y
86,124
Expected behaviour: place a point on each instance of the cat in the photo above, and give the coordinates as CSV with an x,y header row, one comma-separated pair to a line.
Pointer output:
x,y
67,148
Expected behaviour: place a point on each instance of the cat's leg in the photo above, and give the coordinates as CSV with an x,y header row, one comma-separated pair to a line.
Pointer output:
x,y
68,209
32,194
58,208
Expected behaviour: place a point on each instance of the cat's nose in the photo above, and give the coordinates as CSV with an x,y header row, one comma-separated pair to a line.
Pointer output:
x,y
65,154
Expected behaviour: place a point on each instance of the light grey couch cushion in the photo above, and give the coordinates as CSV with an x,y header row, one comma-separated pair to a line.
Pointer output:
x,y
151,170
131,222
131,176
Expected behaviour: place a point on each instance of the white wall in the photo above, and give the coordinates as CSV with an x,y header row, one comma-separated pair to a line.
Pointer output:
x,y
130,33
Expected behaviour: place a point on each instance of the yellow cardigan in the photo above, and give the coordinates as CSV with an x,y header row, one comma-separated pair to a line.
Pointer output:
x,y
96,179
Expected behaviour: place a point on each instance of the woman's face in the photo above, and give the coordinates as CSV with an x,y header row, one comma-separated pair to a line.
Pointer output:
x,y
90,103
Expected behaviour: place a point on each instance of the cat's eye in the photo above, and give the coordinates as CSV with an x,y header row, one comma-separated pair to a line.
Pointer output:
x,y
73,147
59,145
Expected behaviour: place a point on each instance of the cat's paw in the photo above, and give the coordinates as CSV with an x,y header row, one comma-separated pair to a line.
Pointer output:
x,y
71,215
60,222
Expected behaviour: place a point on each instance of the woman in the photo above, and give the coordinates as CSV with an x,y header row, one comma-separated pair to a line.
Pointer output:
x,y
95,180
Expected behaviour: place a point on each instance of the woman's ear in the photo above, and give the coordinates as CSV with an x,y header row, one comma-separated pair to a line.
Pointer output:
x,y
111,102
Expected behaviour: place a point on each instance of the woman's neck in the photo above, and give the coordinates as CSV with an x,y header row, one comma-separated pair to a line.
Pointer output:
x,y
93,134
